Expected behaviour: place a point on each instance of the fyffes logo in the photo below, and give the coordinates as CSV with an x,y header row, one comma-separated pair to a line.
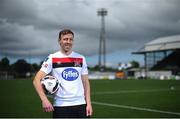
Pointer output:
x,y
70,74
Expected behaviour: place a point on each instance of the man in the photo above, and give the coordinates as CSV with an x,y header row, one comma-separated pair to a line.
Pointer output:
x,y
70,68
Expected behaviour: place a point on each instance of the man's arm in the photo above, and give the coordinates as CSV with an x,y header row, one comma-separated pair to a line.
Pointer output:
x,y
86,85
37,84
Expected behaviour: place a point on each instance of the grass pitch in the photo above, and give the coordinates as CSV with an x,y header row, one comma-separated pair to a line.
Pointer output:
x,y
136,98
110,98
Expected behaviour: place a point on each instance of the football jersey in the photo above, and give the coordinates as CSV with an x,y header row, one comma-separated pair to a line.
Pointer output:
x,y
68,70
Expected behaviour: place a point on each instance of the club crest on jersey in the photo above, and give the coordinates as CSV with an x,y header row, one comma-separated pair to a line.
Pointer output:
x,y
77,63
70,74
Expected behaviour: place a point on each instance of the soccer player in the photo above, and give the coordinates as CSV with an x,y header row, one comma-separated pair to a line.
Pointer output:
x,y
70,68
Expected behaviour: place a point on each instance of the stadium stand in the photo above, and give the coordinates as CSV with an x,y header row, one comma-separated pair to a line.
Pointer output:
x,y
162,54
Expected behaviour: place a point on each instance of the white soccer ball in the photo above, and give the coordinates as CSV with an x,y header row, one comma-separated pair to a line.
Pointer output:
x,y
50,84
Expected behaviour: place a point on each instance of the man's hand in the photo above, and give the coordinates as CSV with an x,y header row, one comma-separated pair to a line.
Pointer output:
x,y
89,110
47,106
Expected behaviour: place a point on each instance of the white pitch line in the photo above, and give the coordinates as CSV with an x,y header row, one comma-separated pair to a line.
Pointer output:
x,y
135,108
130,91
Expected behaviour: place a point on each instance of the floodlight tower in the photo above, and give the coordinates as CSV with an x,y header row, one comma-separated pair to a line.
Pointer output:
x,y
102,44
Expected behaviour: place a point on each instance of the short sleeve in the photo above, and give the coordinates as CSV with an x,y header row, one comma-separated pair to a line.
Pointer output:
x,y
47,65
84,67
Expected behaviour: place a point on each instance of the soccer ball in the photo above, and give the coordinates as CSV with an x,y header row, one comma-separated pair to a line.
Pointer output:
x,y
50,84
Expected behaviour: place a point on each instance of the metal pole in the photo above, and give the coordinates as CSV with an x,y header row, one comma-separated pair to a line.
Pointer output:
x,y
102,44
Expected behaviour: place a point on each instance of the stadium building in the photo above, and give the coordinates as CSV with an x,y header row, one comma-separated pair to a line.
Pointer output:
x,y
162,57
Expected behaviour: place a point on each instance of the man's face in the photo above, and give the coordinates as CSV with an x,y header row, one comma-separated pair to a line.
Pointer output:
x,y
66,42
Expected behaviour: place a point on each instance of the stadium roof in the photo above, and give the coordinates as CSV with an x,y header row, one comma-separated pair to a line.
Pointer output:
x,y
161,44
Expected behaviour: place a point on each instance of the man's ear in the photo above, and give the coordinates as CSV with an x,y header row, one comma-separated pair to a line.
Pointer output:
x,y
59,41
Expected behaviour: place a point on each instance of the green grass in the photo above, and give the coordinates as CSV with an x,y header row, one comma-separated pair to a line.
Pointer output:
x,y
19,99
165,100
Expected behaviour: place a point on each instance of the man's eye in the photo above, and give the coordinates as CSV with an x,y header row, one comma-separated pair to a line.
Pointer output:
x,y
65,39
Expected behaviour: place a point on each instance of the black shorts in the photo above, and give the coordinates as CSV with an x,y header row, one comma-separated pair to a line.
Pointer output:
x,y
78,111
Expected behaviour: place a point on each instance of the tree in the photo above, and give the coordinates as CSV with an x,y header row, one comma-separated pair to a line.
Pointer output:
x,y
21,67
135,64
34,67
4,64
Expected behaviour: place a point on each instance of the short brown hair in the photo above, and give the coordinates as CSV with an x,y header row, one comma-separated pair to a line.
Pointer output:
x,y
64,32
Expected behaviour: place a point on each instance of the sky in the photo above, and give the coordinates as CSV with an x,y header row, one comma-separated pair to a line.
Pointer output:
x,y
29,28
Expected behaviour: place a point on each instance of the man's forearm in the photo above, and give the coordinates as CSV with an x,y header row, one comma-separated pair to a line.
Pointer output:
x,y
88,97
86,85
38,87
